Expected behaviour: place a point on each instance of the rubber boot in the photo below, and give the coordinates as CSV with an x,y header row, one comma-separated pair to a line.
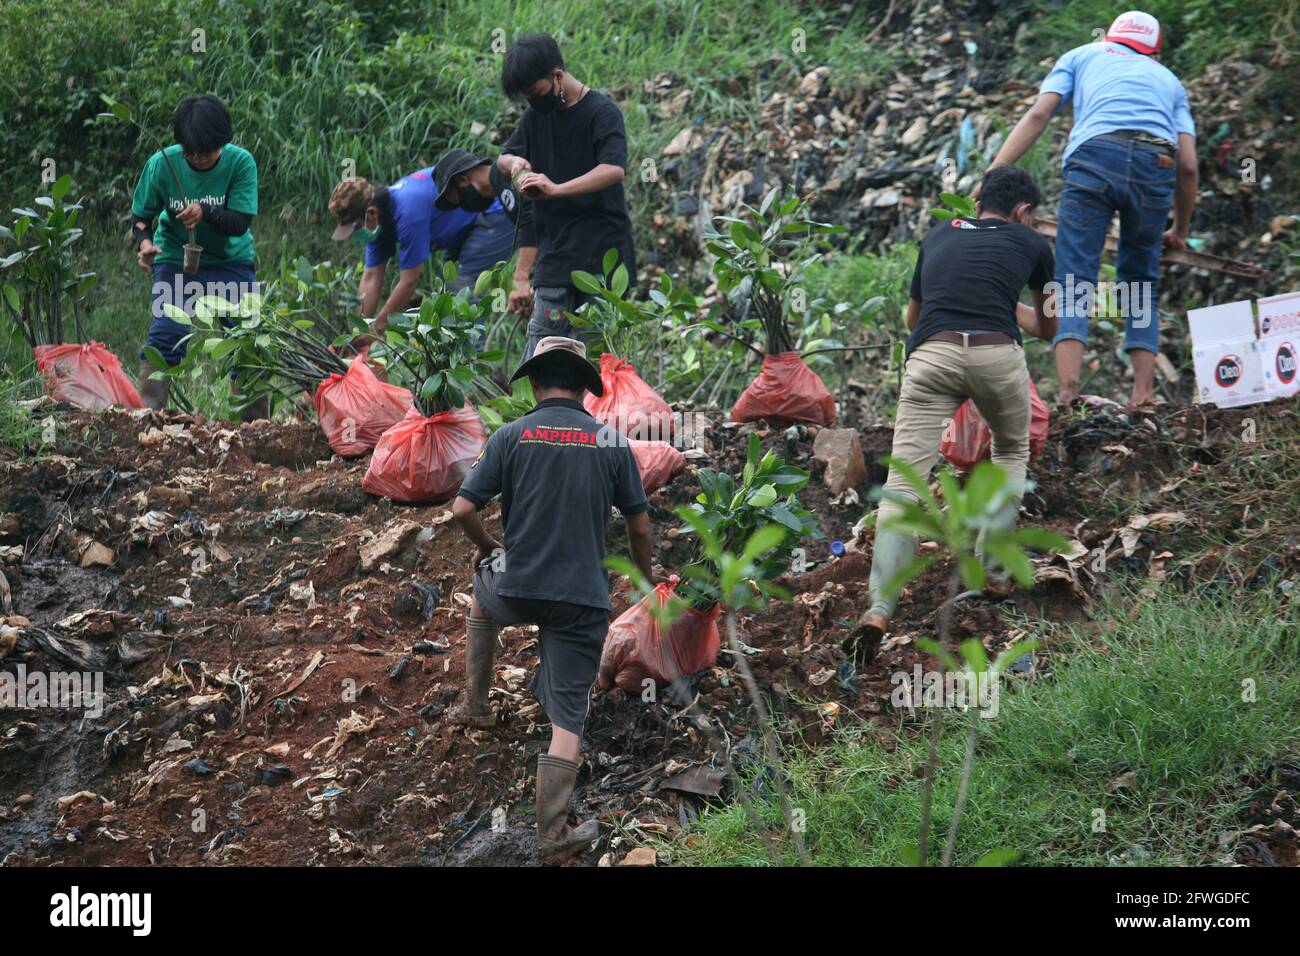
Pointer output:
x,y
480,646
153,391
999,583
892,551
557,841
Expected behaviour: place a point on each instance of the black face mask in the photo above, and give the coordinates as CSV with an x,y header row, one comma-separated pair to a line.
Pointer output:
x,y
547,103
471,200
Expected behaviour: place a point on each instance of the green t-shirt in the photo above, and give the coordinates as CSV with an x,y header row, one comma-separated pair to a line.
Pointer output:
x,y
232,183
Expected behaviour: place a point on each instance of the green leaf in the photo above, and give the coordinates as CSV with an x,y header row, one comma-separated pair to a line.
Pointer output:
x,y
1012,559
429,388
999,857
176,314
586,282
762,497
972,651
1040,539
620,281
972,572
119,110
155,358
61,187
1012,654
783,515
935,649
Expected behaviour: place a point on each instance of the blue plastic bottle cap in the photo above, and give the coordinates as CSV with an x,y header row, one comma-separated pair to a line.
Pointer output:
x,y
837,548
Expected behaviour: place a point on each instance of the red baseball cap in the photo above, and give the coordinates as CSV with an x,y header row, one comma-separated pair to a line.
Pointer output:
x,y
1138,30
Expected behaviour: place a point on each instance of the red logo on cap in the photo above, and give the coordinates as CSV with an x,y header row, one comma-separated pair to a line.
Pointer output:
x,y
1133,26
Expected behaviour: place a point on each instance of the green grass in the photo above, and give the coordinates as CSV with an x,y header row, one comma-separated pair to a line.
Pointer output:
x,y
20,433
1156,690
387,84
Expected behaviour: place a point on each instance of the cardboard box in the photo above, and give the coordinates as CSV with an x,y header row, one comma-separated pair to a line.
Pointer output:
x,y
1226,354
1230,373
1279,343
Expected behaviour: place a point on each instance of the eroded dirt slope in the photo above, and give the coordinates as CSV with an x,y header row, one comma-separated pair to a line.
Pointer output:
x,y
280,648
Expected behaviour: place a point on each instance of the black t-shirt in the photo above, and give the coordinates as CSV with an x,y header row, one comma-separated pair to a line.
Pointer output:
x,y
558,471
519,209
576,233
969,275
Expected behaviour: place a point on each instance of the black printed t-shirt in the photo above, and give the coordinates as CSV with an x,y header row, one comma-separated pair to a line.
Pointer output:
x,y
969,275
575,233
558,472
519,209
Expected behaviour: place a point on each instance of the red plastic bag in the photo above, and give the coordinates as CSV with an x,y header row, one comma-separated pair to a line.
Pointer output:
x,y
657,461
425,459
967,440
786,390
629,404
637,646
89,376
356,408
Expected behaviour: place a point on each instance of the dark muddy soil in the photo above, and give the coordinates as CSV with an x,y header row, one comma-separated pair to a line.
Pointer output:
x,y
279,649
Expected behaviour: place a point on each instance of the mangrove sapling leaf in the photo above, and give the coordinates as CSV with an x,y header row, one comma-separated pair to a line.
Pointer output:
x,y
433,350
727,513
41,284
971,529
760,260
954,206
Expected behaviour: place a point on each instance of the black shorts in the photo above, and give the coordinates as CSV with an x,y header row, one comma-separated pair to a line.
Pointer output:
x,y
569,644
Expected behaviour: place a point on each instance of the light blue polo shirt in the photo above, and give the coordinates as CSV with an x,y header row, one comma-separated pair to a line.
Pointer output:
x,y
1114,88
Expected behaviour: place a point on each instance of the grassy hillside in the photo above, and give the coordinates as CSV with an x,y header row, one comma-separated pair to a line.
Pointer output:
x,y
388,85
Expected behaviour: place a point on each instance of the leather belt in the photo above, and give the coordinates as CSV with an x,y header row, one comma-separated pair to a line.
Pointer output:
x,y
1141,140
972,338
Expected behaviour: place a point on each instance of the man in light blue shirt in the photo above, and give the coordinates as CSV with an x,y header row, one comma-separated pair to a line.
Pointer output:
x,y
1132,150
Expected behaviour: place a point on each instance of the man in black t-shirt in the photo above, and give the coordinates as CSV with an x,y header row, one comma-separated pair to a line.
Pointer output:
x,y
466,182
558,471
966,322
569,154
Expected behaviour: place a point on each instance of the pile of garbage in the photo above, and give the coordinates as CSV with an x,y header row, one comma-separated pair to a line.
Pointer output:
x,y
875,155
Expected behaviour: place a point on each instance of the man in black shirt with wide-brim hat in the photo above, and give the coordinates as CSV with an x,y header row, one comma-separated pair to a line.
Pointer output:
x,y
558,471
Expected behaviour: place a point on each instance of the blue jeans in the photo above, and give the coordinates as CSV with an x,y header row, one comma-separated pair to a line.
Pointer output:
x,y
171,285
549,305
490,240
1103,177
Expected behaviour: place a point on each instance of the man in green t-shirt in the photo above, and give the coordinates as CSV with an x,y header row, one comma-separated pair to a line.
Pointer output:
x,y
207,184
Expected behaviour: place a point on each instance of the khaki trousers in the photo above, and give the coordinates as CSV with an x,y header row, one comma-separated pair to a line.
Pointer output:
x,y
939,377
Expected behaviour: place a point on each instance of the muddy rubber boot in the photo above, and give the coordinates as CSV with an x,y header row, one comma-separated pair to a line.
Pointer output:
x,y
864,640
480,646
557,841
153,391
892,551
998,584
